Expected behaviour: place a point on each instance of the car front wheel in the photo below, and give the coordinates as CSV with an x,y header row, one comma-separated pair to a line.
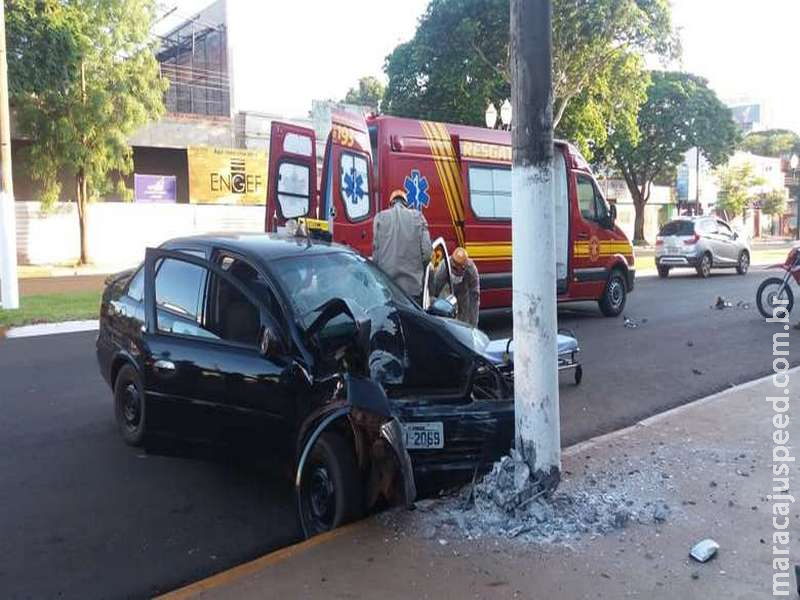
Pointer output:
x,y
129,406
612,302
663,272
331,493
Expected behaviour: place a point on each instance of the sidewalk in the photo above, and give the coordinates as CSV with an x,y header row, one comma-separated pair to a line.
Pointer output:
x,y
713,456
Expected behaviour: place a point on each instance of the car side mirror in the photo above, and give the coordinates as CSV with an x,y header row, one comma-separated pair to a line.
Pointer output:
x,y
612,214
442,308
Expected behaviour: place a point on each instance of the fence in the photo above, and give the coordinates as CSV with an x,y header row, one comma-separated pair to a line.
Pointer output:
x,y
117,232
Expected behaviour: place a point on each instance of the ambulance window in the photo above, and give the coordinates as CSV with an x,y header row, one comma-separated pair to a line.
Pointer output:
x,y
586,198
293,190
355,186
490,192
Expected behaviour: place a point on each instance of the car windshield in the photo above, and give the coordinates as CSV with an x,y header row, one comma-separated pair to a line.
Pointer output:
x,y
678,228
310,282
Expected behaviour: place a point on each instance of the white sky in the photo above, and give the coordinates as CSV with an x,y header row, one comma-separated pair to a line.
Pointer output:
x,y
286,53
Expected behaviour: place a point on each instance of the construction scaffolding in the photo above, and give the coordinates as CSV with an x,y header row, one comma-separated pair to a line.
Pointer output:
x,y
194,58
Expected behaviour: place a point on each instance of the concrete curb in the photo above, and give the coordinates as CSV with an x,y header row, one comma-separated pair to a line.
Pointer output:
x,y
51,328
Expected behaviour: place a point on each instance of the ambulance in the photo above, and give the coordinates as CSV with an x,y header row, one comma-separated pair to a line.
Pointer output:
x,y
460,178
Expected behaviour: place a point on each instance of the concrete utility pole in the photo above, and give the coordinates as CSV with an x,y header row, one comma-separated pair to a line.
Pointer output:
x,y
9,291
538,430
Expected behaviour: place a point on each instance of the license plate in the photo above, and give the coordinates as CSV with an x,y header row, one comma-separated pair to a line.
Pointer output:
x,y
674,250
424,436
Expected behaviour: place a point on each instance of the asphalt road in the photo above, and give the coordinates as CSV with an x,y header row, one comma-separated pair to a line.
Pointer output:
x,y
84,516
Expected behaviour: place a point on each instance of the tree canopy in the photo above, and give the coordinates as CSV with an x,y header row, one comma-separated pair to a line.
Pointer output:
x,y
773,202
772,142
82,77
681,112
369,92
736,183
458,61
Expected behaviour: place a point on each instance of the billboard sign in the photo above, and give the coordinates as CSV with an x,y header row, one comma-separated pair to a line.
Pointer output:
x,y
227,175
154,188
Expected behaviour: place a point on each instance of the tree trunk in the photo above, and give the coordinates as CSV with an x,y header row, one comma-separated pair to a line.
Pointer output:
x,y
81,191
639,202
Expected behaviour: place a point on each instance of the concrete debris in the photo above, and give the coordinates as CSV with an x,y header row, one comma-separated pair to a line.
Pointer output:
x,y
508,503
704,550
630,323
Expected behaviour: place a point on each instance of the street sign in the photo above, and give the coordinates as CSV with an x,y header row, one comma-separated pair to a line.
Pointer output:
x,y
154,188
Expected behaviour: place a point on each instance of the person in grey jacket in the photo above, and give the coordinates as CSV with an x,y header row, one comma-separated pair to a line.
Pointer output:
x,y
466,285
401,245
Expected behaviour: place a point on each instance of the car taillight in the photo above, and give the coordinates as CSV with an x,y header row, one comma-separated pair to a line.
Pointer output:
x,y
692,240
659,241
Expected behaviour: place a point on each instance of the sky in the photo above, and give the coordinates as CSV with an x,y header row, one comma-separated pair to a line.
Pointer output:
x,y
287,53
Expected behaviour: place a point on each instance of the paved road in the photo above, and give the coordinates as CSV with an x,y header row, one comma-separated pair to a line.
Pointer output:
x,y
83,516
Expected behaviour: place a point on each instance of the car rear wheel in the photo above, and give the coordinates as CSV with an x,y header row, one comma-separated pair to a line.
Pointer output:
x,y
129,406
331,493
663,272
612,302
743,263
704,267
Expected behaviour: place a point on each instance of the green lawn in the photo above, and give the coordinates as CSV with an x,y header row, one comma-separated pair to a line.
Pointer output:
x,y
51,308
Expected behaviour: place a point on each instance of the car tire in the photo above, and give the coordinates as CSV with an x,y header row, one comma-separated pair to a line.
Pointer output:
x,y
743,264
331,493
663,272
704,268
578,374
763,301
130,406
612,302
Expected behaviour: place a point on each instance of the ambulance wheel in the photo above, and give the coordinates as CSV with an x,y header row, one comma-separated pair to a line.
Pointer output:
x,y
612,302
578,374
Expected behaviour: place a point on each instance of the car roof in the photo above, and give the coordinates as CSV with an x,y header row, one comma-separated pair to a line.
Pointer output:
x,y
263,247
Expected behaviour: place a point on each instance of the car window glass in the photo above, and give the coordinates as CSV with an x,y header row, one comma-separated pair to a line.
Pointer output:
x,y
310,282
586,200
601,210
490,192
232,316
179,290
293,189
681,228
355,186
136,286
724,229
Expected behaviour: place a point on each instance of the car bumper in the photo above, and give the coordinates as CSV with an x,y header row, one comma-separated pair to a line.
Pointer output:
x,y
677,260
475,435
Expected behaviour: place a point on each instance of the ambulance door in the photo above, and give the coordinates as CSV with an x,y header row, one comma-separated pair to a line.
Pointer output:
x,y
292,179
348,197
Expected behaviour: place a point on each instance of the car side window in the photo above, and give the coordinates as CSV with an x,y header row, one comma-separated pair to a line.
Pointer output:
x,y
724,229
136,286
355,186
293,190
179,290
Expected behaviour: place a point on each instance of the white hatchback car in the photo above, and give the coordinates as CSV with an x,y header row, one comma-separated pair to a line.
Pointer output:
x,y
701,243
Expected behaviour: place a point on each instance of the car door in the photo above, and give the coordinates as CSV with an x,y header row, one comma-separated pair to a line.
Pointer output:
x,y
206,377
589,271
727,240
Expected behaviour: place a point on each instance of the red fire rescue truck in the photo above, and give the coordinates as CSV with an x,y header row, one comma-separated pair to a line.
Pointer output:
x,y
460,178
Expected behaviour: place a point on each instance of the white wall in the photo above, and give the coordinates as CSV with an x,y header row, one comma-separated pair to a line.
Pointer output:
x,y
119,232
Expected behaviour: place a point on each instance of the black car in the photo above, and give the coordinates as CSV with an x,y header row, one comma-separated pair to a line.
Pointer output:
x,y
306,353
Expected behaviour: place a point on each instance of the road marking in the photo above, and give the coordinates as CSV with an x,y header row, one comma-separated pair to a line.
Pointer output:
x,y
52,328
254,566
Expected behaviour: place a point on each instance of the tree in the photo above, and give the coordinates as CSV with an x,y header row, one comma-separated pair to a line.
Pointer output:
x,y
773,202
458,61
681,112
369,92
736,183
772,142
83,76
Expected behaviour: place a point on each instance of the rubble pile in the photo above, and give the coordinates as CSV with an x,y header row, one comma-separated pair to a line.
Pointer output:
x,y
507,502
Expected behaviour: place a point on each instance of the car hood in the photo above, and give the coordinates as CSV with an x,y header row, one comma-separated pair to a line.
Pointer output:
x,y
498,352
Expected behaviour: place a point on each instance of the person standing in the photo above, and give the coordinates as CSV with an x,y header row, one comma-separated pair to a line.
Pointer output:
x,y
465,283
401,245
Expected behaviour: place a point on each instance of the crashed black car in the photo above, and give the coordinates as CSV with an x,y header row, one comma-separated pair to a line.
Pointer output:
x,y
311,353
